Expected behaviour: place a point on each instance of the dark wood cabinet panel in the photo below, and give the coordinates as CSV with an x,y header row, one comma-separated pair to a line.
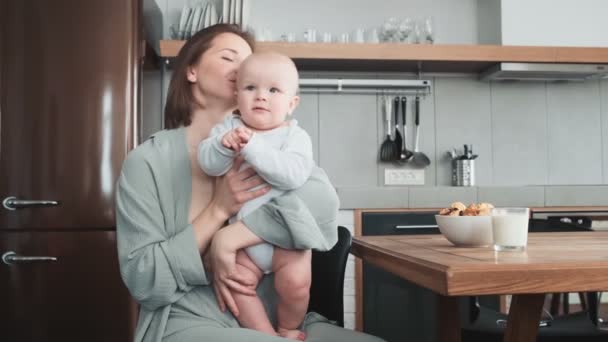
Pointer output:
x,y
69,73
79,297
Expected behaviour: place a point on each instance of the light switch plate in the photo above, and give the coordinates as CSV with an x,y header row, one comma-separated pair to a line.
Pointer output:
x,y
403,176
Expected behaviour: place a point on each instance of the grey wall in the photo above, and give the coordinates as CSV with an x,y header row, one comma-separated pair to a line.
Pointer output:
x,y
456,21
525,133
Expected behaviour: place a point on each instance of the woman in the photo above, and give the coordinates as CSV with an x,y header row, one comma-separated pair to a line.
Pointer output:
x,y
169,213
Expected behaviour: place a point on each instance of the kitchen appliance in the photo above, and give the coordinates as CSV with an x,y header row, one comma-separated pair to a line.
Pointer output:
x,y
70,76
544,72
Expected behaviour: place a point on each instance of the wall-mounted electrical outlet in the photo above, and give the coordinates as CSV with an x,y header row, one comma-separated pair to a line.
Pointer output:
x,y
403,176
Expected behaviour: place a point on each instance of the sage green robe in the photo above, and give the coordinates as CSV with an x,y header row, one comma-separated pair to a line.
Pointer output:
x,y
160,262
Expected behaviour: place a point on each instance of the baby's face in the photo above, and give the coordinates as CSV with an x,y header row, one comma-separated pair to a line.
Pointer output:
x,y
266,92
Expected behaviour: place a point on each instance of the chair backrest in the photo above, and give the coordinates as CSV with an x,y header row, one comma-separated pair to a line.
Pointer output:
x,y
327,288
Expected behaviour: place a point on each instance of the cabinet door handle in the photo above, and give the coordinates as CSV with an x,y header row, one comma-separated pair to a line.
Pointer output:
x,y
11,258
417,226
13,203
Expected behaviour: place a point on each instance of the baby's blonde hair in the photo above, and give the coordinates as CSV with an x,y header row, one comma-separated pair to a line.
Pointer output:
x,y
275,57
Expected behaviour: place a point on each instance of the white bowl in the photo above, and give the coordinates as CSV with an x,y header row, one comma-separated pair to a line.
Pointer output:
x,y
466,231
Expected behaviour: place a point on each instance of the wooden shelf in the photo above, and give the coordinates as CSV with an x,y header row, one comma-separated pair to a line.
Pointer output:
x,y
407,57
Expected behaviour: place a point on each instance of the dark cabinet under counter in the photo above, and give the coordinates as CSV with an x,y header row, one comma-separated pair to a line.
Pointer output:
x,y
391,307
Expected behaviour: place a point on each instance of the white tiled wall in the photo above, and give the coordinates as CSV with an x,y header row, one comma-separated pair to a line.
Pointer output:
x,y
346,218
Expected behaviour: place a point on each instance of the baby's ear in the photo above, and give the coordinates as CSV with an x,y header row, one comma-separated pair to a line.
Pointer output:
x,y
294,103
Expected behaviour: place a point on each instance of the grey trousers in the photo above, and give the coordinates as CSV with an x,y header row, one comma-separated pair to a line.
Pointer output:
x,y
316,332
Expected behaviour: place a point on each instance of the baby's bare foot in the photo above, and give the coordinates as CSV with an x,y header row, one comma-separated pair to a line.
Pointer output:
x,y
292,334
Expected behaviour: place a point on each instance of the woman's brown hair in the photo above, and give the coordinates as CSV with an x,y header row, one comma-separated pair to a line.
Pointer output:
x,y
179,97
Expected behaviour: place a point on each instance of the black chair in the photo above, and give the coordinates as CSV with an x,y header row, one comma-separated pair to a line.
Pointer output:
x,y
327,288
487,325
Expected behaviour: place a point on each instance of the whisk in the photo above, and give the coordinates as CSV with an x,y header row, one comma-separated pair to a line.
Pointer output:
x,y
388,149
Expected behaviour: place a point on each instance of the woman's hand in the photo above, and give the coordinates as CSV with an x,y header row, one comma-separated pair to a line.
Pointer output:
x,y
222,254
234,188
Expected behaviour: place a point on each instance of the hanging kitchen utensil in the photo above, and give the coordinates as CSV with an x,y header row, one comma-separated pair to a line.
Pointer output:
x,y
465,154
419,159
398,138
470,152
388,148
405,154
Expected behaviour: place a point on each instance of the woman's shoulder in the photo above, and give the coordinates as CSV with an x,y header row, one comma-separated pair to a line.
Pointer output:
x,y
158,148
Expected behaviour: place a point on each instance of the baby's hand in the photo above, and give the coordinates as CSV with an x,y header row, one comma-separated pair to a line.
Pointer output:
x,y
232,140
244,135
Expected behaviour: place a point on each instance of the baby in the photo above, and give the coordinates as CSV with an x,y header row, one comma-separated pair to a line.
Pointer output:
x,y
281,153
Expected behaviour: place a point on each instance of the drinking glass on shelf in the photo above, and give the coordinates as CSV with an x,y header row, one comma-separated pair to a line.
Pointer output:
x,y
389,30
327,37
288,37
344,38
310,36
417,34
405,29
359,36
263,35
428,31
373,36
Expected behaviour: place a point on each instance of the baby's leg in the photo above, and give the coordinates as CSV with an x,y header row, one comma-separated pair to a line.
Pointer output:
x,y
292,283
252,314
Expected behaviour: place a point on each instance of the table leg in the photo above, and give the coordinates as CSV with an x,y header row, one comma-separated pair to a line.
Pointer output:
x,y
524,317
449,319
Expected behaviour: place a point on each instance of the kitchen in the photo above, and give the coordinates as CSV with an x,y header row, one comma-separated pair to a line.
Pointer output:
x,y
531,137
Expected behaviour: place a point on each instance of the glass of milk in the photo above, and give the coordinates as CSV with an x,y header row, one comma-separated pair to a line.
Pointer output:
x,y
510,228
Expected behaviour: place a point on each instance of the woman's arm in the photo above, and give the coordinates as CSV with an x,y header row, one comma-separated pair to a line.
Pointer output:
x,y
157,266
158,261
229,195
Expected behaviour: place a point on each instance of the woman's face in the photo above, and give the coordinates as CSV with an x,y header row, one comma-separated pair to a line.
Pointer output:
x,y
214,76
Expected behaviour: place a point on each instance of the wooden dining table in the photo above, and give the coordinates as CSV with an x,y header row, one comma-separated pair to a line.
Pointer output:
x,y
552,262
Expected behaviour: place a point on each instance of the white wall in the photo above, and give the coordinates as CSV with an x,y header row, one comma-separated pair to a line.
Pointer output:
x,y
547,22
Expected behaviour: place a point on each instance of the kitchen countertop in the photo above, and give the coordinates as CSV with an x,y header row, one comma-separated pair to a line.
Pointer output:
x,y
579,209
557,197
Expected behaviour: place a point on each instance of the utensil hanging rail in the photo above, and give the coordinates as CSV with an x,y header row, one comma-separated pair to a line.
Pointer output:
x,y
384,86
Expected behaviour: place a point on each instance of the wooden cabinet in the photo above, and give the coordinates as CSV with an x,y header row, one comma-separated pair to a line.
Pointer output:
x,y
79,297
69,111
380,288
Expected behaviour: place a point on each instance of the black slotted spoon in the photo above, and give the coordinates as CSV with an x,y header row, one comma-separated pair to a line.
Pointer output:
x,y
419,159
405,155
388,149
398,138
